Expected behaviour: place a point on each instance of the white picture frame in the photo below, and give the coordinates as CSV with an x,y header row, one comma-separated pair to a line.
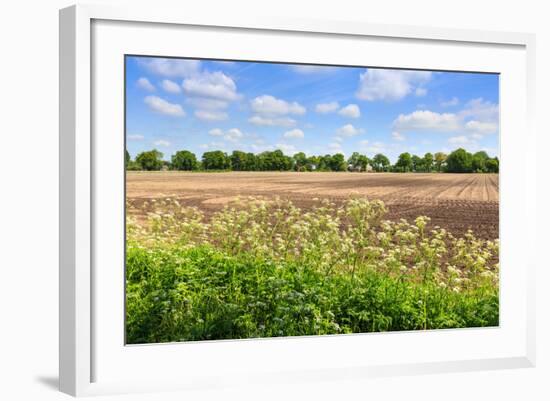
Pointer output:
x,y
90,361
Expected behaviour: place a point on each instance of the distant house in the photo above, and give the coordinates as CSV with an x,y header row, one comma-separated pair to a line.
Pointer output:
x,y
358,169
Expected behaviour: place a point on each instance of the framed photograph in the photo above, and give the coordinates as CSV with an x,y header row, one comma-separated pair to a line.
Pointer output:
x,y
275,200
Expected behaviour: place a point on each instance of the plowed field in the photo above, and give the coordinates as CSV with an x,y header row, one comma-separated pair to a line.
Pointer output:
x,y
457,202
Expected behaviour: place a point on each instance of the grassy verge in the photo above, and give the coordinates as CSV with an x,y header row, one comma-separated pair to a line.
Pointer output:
x,y
266,269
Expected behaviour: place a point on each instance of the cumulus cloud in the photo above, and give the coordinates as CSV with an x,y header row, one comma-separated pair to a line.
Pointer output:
x,y
480,127
460,140
480,109
426,120
294,134
478,117
233,135
143,83
286,148
270,106
215,132
135,137
170,86
162,106
420,92
348,130
389,85
351,111
211,115
335,147
207,103
397,136
276,122
175,68
162,143
451,102
312,69
324,108
373,148
215,85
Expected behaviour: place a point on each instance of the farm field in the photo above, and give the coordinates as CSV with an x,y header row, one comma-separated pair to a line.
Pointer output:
x,y
456,202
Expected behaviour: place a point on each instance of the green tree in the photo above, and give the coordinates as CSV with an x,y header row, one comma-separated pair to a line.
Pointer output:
x,y
479,160
338,162
459,161
300,161
184,160
439,159
127,158
428,162
215,160
417,164
492,165
150,160
404,163
239,160
358,161
380,162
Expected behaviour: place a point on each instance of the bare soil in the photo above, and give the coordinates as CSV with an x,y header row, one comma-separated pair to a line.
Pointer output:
x,y
457,202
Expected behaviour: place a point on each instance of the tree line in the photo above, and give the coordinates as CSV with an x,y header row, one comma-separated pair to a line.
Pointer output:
x,y
458,161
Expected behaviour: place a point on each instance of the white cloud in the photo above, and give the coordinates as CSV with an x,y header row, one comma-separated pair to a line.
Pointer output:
x,y
420,92
480,127
374,148
135,137
397,136
335,147
389,85
481,110
215,85
294,134
144,83
233,135
460,140
215,132
351,111
268,105
171,67
277,122
207,103
170,86
161,142
348,130
451,102
209,115
287,149
425,120
325,108
312,69
161,106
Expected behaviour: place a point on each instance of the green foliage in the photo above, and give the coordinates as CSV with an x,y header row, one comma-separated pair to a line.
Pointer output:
x,y
381,162
150,160
184,160
127,158
359,162
428,162
266,268
337,162
492,165
440,159
404,163
459,161
216,160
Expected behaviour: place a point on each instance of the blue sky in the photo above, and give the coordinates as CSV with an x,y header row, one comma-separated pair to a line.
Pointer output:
x,y
176,104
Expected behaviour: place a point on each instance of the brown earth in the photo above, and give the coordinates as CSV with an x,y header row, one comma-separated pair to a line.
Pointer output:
x,y
457,202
